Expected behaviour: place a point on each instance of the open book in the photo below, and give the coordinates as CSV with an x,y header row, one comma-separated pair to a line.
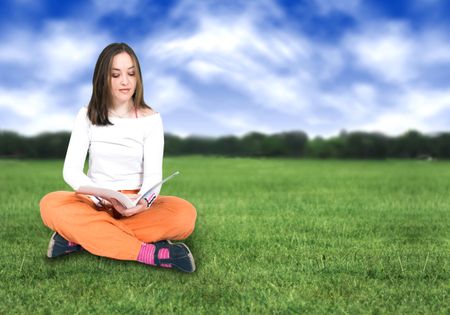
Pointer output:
x,y
109,194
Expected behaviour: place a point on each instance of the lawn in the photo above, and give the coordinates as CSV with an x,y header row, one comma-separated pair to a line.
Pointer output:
x,y
273,236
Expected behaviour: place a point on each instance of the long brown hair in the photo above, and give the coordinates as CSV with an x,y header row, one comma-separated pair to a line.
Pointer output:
x,y
101,84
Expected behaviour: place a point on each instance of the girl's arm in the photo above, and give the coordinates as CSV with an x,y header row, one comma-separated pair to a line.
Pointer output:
x,y
73,171
153,156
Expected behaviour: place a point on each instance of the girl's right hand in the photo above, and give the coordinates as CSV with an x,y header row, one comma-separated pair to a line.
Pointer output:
x,y
140,207
118,207
105,204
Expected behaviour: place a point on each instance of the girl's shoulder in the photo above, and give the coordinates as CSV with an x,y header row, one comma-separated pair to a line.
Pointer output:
x,y
144,112
82,114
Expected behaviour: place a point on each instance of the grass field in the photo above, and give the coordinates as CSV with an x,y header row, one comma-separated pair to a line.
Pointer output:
x,y
272,236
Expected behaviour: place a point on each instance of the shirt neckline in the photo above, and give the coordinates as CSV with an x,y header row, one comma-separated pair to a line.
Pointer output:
x,y
133,118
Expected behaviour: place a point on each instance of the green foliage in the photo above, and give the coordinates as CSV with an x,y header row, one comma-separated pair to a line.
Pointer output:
x,y
278,236
229,146
44,145
12,144
364,145
294,144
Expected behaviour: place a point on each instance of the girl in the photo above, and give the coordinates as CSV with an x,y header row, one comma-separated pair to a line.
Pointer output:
x,y
125,140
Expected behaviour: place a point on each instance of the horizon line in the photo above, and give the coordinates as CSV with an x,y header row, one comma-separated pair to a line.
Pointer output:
x,y
342,131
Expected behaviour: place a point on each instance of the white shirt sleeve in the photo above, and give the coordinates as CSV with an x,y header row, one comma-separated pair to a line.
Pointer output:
x,y
153,157
76,153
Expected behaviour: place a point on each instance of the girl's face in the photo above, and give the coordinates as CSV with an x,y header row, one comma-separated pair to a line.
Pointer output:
x,y
123,79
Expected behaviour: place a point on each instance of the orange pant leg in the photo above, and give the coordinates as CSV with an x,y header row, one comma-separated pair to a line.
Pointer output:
x,y
76,219
169,218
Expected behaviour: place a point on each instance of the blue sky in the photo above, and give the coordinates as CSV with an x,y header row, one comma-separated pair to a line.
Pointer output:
x,y
229,67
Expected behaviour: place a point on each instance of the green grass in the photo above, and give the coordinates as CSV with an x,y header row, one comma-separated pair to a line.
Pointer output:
x,y
272,236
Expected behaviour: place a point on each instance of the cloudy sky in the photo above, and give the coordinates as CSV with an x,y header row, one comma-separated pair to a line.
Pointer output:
x,y
229,67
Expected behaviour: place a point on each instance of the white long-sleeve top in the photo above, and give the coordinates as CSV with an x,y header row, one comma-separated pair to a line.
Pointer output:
x,y
124,156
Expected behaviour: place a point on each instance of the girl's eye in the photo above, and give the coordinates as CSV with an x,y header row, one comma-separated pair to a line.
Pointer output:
x,y
131,74
115,75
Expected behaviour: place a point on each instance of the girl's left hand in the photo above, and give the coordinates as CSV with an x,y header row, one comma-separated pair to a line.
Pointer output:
x,y
140,207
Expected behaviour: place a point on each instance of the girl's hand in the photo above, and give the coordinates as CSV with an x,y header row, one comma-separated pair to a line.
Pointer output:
x,y
140,207
105,204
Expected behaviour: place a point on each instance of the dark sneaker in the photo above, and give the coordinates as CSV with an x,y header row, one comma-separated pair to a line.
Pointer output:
x,y
59,246
180,257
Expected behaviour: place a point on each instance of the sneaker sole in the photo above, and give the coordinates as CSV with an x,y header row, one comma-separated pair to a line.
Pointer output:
x,y
50,246
191,258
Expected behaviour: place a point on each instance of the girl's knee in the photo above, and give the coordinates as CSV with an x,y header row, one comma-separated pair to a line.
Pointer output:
x,y
186,212
49,198
53,199
185,220
50,205
48,201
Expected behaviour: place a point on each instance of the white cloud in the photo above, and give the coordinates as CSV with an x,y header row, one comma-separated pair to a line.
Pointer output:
x,y
402,64
287,72
438,48
41,109
26,105
419,108
427,103
376,77
387,51
239,56
393,123
55,55
166,93
240,122
51,122
205,71
16,48
396,54
64,53
54,60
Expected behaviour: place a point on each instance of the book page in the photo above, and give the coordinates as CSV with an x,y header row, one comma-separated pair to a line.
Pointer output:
x,y
107,194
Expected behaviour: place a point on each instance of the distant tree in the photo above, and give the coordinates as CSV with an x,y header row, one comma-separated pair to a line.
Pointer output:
x,y
410,145
228,146
48,145
294,143
317,148
198,145
173,145
331,148
440,144
252,144
12,144
357,145
364,145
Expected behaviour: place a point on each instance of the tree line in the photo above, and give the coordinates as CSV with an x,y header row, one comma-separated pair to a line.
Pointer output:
x,y
294,144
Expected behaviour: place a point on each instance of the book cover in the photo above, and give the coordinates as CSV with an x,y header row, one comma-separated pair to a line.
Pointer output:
x,y
109,194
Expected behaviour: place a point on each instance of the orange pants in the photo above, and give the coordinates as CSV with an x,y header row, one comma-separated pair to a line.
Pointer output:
x,y
78,220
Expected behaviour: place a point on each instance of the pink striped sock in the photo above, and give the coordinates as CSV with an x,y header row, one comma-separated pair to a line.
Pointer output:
x,y
146,254
164,254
